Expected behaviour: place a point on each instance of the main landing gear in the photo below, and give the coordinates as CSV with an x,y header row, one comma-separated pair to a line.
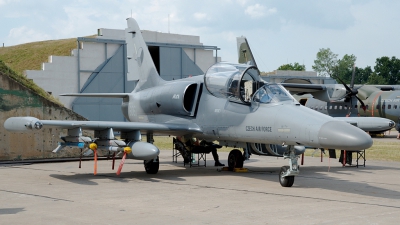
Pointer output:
x,y
151,166
235,159
287,173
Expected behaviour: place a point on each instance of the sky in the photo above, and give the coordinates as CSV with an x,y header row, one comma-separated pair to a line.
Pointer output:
x,y
278,31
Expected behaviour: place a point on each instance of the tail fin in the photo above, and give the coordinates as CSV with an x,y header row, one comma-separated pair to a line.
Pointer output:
x,y
140,64
244,52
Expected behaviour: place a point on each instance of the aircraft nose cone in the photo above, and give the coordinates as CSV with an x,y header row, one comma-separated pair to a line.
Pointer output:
x,y
341,135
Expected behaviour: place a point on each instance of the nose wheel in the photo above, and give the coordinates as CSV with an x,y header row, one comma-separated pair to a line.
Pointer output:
x,y
285,181
287,173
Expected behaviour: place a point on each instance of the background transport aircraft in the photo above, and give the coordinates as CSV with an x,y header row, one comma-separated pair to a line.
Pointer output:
x,y
341,100
230,104
377,103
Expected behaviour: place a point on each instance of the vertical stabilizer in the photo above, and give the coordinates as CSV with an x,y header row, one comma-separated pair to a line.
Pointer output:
x,y
244,52
140,64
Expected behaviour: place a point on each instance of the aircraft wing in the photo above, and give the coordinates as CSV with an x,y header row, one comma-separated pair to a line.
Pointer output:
x,y
30,123
323,92
303,88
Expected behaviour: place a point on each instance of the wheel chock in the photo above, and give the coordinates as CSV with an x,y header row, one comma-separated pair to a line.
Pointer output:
x,y
225,168
238,170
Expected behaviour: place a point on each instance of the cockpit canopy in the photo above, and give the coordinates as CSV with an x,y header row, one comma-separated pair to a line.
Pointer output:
x,y
237,82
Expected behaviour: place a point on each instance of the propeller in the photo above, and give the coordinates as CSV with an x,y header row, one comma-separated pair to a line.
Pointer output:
x,y
351,91
93,146
127,150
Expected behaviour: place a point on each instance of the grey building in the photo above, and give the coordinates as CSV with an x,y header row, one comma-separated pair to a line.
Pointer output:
x,y
100,65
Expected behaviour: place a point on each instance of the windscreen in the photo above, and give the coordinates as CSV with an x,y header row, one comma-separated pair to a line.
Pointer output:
x,y
272,93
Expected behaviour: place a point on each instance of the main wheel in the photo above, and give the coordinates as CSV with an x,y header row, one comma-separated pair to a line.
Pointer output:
x,y
285,181
235,159
151,166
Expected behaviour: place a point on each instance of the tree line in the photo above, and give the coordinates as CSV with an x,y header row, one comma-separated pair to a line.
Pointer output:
x,y
386,70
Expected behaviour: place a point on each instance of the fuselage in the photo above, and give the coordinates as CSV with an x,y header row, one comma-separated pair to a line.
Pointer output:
x,y
283,122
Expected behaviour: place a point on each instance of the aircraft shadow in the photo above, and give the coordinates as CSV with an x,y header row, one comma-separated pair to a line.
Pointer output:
x,y
4,211
311,177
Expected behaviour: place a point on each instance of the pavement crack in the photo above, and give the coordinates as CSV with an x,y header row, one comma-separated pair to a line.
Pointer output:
x,y
35,195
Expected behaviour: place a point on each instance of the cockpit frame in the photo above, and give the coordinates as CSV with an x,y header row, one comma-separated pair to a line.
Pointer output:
x,y
236,82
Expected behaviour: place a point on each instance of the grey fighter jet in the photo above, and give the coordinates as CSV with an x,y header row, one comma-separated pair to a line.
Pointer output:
x,y
230,104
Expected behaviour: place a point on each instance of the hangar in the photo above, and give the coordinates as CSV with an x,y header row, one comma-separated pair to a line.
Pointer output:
x,y
99,64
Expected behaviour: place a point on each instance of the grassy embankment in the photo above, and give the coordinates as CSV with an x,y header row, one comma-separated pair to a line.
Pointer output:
x,y
14,60
30,56
5,70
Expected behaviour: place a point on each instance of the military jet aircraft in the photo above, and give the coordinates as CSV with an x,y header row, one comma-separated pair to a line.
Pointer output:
x,y
230,104
342,101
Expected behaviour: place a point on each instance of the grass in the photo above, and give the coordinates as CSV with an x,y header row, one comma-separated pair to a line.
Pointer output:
x,y
14,60
384,151
30,56
381,150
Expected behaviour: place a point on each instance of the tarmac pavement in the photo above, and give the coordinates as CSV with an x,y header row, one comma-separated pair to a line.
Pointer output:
x,y
323,193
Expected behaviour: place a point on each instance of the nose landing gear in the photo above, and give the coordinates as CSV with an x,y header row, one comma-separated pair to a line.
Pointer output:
x,y
287,173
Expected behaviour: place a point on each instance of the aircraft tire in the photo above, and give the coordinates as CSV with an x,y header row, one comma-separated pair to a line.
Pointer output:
x,y
235,159
285,181
151,166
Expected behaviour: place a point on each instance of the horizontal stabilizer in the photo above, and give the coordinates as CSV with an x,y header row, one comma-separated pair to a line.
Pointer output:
x,y
303,88
98,95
